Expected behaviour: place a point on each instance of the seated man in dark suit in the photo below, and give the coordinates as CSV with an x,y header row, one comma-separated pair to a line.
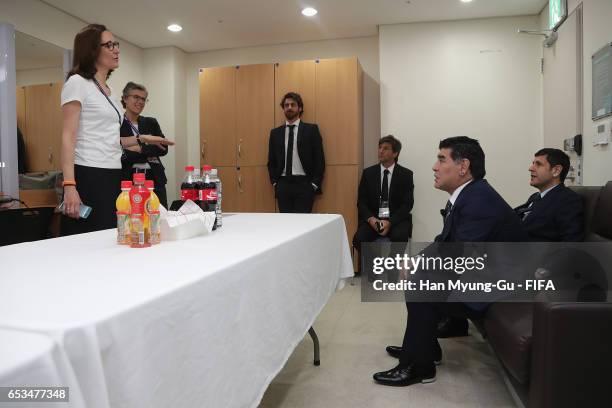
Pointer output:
x,y
554,213
475,212
385,198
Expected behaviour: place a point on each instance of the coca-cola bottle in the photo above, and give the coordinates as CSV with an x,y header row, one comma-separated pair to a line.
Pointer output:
x,y
189,185
208,192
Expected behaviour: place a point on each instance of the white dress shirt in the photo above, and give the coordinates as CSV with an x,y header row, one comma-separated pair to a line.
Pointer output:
x,y
382,175
296,169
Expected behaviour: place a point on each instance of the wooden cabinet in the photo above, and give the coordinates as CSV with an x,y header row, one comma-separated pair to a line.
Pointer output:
x,y
340,194
246,189
218,116
39,116
254,110
339,109
255,193
239,106
229,181
295,76
21,118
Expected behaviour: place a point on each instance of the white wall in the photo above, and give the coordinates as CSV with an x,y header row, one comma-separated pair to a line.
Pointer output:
x,y
366,49
475,77
597,31
164,77
47,23
25,77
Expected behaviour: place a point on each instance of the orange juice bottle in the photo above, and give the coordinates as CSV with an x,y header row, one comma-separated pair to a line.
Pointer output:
x,y
138,199
123,213
152,214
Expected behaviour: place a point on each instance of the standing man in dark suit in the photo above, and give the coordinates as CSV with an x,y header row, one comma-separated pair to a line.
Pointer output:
x,y
295,159
554,213
475,212
143,158
385,198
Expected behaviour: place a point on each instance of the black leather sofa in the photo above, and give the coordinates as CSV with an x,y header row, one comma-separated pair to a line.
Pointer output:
x,y
558,354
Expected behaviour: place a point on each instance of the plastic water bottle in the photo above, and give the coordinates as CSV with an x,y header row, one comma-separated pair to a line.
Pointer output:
x,y
215,178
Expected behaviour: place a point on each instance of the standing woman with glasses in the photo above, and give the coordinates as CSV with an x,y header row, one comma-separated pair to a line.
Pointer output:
x,y
91,146
143,158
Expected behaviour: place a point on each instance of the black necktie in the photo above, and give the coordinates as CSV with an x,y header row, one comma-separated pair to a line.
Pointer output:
x,y
528,207
289,159
446,211
384,195
445,214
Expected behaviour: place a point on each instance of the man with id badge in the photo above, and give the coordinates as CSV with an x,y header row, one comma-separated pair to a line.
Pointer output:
x,y
385,199
143,158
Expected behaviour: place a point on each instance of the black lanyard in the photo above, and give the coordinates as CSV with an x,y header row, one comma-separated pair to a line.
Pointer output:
x,y
108,99
134,128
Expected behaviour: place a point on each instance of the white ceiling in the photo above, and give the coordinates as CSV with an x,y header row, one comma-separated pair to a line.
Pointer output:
x,y
32,53
218,24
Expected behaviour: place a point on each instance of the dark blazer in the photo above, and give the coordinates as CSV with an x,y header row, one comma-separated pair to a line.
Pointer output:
x,y
401,194
146,126
310,150
480,214
556,217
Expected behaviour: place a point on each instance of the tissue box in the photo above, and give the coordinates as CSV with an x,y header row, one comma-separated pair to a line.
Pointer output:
x,y
189,221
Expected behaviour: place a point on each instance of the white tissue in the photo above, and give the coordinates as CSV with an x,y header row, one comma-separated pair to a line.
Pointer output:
x,y
188,222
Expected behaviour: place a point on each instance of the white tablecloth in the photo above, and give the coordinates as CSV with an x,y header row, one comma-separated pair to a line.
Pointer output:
x,y
205,322
35,360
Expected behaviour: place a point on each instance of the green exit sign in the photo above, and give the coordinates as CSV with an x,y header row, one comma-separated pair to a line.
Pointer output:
x,y
557,12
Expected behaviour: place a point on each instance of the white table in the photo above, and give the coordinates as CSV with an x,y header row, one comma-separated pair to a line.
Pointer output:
x,y
205,322
35,360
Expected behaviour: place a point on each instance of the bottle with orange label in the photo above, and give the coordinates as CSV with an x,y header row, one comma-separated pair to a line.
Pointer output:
x,y
123,213
138,199
152,214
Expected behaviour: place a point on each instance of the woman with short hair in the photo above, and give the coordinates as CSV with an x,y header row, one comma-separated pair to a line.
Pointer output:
x,y
145,158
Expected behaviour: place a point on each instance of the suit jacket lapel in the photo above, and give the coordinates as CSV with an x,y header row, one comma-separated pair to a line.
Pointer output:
x,y
300,139
451,218
394,180
378,183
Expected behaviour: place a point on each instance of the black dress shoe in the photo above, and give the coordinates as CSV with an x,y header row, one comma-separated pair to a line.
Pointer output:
x,y
396,351
452,327
402,376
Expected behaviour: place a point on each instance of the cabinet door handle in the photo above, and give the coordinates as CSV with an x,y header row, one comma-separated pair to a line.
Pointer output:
x,y
240,183
239,150
50,156
202,151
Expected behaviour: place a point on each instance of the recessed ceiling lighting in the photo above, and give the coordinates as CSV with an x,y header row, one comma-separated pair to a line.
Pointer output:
x,y
309,12
175,28
466,1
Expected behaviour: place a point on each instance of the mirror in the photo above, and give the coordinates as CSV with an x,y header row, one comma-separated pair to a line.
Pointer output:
x,y
39,77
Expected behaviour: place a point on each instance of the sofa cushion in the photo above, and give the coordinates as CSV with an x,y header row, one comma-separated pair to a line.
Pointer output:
x,y
602,221
509,331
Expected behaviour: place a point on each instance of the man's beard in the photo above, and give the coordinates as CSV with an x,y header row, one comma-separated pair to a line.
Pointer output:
x,y
291,115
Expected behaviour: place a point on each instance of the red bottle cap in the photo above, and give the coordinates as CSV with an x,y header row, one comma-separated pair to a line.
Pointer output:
x,y
206,167
139,177
126,184
189,168
149,184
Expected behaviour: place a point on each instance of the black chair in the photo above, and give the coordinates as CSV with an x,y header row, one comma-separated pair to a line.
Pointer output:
x,y
24,224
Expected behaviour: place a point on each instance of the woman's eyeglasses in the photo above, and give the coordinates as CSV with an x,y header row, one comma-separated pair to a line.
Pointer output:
x,y
111,45
139,98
